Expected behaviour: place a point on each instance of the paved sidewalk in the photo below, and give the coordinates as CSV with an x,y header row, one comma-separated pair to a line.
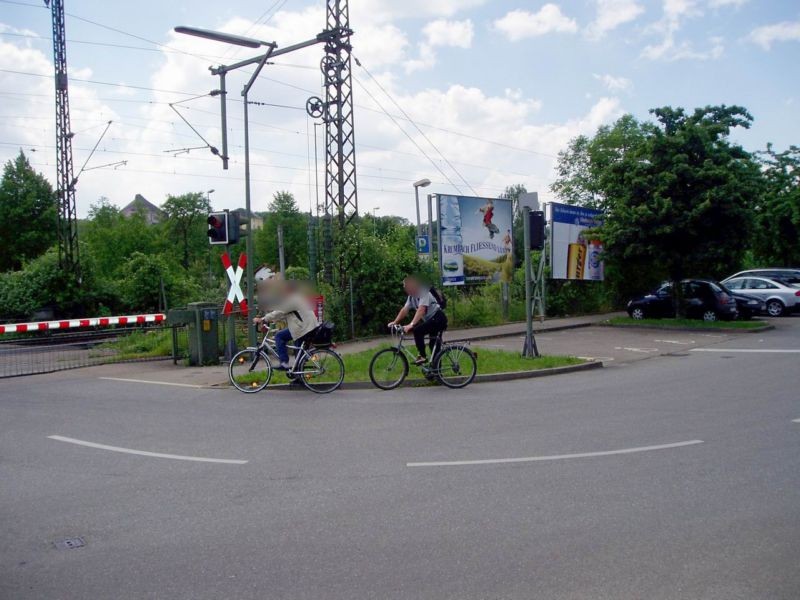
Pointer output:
x,y
165,372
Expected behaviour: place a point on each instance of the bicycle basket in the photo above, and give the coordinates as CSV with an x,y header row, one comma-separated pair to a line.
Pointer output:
x,y
323,335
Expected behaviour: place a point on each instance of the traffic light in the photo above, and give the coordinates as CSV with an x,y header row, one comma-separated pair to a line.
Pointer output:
x,y
218,228
536,220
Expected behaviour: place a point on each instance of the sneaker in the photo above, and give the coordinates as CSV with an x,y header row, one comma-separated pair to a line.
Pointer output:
x,y
421,360
284,366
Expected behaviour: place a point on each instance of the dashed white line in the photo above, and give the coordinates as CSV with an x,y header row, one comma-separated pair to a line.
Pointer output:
x,y
227,461
188,385
795,420
496,461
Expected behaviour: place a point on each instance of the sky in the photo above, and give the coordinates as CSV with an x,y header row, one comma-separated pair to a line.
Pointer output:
x,y
480,94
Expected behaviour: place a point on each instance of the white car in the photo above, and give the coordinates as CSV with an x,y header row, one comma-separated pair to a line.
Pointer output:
x,y
779,297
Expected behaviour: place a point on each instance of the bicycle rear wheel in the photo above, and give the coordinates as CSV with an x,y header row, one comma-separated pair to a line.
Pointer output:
x,y
250,371
456,366
322,371
388,368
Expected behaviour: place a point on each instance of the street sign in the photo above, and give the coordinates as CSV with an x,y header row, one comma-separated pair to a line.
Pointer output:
x,y
235,294
423,244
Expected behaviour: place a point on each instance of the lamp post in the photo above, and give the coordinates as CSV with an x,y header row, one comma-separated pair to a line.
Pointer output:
x,y
237,40
417,185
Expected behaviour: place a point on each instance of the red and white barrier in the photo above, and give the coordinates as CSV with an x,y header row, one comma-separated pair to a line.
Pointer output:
x,y
78,323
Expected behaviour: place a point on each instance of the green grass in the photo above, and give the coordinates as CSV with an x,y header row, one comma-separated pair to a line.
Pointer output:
x,y
138,344
489,361
685,323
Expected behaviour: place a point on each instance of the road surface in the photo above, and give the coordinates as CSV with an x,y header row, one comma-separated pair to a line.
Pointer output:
x,y
676,477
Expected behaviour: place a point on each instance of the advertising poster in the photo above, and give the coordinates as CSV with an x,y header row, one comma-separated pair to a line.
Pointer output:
x,y
575,255
475,240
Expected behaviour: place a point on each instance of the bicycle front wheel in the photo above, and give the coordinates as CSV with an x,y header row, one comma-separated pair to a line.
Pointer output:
x,y
321,371
388,368
250,371
456,366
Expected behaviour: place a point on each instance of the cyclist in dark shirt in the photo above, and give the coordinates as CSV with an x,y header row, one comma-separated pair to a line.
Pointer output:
x,y
428,318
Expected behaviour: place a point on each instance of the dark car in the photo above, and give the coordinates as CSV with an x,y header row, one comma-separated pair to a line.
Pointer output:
x,y
747,306
702,299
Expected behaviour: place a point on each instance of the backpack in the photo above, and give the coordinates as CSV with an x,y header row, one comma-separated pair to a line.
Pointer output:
x,y
440,298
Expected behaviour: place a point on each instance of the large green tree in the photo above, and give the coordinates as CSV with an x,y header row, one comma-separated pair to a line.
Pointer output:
x,y
186,220
28,206
677,193
283,212
777,222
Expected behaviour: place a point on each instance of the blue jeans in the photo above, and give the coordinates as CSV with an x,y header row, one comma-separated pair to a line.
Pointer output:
x,y
282,338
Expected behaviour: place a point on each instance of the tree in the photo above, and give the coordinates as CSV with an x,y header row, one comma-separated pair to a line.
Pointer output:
x,y
777,220
283,211
28,206
186,215
677,193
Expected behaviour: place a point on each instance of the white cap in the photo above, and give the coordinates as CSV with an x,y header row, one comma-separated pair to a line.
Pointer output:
x,y
264,273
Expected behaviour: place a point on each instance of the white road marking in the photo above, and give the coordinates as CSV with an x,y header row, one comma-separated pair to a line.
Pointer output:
x,y
675,342
642,350
750,350
795,420
189,385
496,461
598,358
227,461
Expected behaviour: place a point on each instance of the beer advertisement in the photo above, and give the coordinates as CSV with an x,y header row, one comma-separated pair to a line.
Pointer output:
x,y
475,240
574,252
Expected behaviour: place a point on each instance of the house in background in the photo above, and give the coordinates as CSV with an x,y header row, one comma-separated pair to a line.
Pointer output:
x,y
141,205
257,221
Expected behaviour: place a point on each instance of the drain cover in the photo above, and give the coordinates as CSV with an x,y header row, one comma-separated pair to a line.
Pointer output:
x,y
70,543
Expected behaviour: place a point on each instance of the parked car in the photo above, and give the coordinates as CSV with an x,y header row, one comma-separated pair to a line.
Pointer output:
x,y
779,297
785,276
747,306
703,299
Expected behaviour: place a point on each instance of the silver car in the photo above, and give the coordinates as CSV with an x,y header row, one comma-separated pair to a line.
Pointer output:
x,y
779,297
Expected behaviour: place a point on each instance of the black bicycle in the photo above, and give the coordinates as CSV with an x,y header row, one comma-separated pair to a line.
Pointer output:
x,y
318,367
453,365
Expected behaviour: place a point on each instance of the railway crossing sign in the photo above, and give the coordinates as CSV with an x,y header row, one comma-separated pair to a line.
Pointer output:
x,y
235,294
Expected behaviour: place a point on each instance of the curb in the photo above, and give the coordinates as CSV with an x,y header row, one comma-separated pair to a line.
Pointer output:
x,y
765,327
487,378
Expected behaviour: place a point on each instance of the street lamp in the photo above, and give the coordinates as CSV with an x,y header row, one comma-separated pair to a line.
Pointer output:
x,y
222,71
417,185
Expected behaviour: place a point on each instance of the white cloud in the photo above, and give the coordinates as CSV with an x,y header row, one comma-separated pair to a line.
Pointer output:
x,y
611,14
725,3
614,84
675,12
520,24
442,33
381,11
766,35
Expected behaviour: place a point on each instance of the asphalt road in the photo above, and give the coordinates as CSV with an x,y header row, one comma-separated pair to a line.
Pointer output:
x,y
327,506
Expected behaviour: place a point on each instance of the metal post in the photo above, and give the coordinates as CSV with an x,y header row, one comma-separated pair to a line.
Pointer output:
x,y
352,312
281,259
223,110
419,227
529,348
251,328
430,229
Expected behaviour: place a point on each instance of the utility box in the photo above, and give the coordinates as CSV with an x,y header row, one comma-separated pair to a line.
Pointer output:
x,y
202,319
203,335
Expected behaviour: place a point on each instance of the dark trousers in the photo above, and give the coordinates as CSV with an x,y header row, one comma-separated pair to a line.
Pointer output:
x,y
433,326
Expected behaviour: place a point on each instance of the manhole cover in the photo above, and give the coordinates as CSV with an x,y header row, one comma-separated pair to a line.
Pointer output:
x,y
70,543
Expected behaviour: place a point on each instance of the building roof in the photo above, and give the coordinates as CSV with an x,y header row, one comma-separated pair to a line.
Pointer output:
x,y
142,204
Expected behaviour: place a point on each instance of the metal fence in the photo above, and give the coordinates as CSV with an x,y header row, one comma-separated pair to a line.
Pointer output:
x,y
48,351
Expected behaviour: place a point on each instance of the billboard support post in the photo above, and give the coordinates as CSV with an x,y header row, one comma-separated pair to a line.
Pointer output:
x,y
430,230
529,348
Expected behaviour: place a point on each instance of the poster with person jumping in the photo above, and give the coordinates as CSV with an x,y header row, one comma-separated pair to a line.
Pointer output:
x,y
475,240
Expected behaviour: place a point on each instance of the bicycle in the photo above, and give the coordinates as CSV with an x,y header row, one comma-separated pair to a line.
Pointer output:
x,y
453,365
319,369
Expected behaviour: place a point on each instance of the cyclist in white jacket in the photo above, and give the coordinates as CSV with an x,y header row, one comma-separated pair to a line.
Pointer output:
x,y
294,308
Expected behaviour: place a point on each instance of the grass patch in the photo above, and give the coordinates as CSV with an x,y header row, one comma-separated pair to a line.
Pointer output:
x,y
137,345
489,361
685,323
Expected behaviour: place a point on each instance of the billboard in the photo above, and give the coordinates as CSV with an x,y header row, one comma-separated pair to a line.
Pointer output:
x,y
475,240
573,254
